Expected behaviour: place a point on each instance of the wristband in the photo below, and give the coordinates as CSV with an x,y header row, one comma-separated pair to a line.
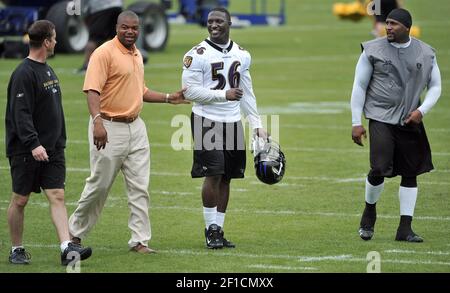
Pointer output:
x,y
167,98
95,117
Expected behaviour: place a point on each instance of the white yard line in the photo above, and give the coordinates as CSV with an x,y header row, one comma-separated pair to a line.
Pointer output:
x,y
295,149
344,128
284,184
287,268
299,258
401,251
322,258
346,180
171,192
116,203
384,260
57,246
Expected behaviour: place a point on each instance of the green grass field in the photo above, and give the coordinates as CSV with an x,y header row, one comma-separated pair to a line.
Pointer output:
x,y
303,72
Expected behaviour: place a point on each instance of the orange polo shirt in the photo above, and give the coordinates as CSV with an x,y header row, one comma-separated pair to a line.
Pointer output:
x,y
118,75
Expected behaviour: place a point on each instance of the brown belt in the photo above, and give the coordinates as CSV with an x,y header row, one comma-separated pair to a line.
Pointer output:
x,y
118,119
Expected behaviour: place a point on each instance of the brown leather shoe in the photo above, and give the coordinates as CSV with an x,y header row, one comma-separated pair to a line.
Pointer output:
x,y
142,249
76,240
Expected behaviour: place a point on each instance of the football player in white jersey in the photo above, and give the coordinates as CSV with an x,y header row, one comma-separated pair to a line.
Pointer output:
x,y
216,75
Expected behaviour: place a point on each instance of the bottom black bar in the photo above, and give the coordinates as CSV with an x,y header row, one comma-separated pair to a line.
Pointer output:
x,y
204,282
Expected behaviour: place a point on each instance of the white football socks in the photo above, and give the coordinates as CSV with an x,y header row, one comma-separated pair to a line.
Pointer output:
x,y
220,219
407,197
210,216
64,245
15,247
373,192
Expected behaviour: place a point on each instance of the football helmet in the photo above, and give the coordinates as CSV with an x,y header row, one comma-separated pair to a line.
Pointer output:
x,y
270,162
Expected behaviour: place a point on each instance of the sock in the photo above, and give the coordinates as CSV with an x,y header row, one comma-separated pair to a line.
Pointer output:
x,y
369,215
371,207
407,197
15,247
210,215
405,223
64,245
373,192
220,218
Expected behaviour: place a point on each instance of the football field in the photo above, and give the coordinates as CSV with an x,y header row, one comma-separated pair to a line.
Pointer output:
x,y
302,77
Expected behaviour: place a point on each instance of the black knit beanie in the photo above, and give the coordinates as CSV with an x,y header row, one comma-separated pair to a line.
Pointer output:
x,y
401,15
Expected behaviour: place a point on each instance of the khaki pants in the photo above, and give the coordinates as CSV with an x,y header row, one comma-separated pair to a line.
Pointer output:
x,y
128,151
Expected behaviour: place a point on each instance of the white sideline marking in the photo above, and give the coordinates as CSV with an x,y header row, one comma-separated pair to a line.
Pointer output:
x,y
417,252
331,214
300,258
425,262
222,253
343,180
244,211
171,192
307,107
289,185
233,189
321,258
295,149
38,245
288,268
255,182
347,151
337,180
395,261
79,170
345,128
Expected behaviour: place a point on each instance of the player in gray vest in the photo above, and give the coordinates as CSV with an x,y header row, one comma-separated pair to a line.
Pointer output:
x,y
390,76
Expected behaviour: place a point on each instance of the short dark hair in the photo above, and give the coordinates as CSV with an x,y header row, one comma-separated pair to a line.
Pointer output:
x,y
127,13
224,10
39,31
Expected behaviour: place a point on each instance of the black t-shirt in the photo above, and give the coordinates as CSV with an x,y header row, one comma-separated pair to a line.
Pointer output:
x,y
34,113
386,6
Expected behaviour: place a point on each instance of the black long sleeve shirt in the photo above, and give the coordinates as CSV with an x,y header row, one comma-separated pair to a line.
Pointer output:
x,y
34,113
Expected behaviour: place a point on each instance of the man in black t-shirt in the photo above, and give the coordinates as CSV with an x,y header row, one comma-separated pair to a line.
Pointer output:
x,y
35,142
101,19
386,6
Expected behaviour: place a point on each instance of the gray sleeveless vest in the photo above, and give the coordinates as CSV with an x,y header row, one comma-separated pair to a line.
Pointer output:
x,y
399,77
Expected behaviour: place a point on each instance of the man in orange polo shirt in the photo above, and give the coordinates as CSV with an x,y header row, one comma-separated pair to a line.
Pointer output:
x,y
115,88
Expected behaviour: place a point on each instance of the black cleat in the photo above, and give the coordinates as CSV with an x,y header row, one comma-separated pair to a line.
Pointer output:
x,y
366,233
367,223
213,237
83,253
19,257
408,236
226,243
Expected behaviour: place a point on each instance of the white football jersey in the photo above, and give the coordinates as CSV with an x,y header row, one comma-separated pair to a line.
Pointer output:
x,y
209,70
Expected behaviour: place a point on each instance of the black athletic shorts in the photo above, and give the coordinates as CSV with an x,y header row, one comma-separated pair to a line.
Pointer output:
x,y
29,175
398,150
386,6
219,148
102,25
